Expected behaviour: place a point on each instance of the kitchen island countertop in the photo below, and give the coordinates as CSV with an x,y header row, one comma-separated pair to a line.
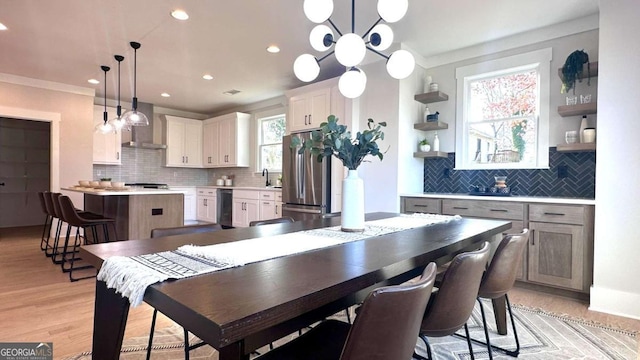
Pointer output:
x,y
124,191
514,198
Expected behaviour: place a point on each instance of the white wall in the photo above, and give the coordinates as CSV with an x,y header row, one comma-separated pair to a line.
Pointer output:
x,y
616,288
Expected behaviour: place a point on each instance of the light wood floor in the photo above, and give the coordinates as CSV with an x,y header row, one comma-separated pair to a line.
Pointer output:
x,y
39,304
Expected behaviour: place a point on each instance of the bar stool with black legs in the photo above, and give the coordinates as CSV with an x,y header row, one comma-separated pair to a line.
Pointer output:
x,y
53,249
48,222
95,229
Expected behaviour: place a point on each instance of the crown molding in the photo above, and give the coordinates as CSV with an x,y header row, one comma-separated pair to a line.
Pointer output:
x,y
47,85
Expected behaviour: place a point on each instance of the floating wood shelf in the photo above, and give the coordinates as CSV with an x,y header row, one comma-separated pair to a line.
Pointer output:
x,y
577,147
578,109
431,125
431,97
591,67
430,154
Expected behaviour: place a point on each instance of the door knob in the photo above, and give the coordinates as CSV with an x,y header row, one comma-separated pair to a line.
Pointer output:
x,y
2,184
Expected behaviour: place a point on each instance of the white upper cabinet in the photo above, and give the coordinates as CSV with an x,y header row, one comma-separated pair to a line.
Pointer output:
x,y
308,110
184,142
226,141
107,149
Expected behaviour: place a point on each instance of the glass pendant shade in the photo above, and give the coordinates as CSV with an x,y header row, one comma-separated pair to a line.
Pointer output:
x,y
135,118
118,123
400,64
350,49
381,37
318,11
392,10
306,67
104,128
321,38
352,83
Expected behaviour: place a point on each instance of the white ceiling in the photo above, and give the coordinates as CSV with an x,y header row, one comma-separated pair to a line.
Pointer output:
x,y
66,41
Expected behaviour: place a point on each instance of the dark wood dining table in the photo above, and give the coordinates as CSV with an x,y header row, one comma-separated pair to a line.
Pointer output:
x,y
240,309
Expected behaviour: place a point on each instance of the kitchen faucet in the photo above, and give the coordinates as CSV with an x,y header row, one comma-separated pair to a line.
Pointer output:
x,y
267,183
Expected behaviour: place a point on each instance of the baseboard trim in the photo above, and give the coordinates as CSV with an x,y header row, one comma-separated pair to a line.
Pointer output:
x,y
581,296
615,302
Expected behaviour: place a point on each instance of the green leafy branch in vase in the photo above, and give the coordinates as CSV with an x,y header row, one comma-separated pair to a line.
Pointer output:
x,y
335,140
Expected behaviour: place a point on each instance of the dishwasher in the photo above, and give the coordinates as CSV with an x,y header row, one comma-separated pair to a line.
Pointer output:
x,y
225,208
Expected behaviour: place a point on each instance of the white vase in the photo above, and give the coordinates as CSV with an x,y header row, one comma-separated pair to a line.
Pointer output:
x,y
352,203
425,148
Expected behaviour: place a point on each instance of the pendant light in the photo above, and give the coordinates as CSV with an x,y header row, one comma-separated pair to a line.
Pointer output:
x,y
133,117
105,128
118,122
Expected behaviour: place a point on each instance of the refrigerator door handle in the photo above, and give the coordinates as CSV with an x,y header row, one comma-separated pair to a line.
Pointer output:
x,y
306,211
300,176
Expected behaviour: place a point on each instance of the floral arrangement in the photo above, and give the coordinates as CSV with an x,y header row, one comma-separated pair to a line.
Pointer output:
x,y
335,140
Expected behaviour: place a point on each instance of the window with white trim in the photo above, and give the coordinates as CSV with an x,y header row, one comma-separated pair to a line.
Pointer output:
x,y
270,132
502,117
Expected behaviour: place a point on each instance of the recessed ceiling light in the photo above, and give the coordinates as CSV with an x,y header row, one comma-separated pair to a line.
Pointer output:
x,y
179,14
165,95
273,49
207,77
93,81
2,27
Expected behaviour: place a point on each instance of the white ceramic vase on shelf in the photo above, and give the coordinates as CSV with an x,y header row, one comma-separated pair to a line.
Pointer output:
x,y
352,203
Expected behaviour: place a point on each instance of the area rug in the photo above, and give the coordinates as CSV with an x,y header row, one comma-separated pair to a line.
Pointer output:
x,y
542,336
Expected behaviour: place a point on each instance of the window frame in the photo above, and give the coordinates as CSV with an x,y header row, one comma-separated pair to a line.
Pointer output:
x,y
539,60
260,118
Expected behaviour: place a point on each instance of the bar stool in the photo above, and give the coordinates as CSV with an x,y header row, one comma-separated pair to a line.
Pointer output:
x,y
48,222
51,202
89,223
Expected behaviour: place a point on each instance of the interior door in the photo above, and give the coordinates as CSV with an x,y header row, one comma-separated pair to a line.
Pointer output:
x,y
24,170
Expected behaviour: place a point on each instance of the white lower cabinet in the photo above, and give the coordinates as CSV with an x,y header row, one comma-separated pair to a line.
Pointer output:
x,y
207,208
190,202
246,207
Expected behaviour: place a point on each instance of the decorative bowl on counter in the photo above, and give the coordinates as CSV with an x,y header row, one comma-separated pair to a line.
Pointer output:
x,y
105,184
117,184
84,183
94,183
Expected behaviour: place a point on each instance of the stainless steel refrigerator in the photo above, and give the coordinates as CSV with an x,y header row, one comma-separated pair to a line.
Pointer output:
x,y
306,183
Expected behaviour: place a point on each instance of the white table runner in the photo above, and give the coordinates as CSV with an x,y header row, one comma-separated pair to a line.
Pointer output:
x,y
131,276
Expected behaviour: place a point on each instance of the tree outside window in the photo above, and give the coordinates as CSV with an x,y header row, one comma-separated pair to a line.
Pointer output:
x,y
271,131
502,112
503,116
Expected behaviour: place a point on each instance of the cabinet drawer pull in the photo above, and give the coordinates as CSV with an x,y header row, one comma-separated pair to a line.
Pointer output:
x,y
499,210
554,214
419,205
460,208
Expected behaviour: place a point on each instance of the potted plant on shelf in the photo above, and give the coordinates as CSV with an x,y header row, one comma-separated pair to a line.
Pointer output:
x,y
335,140
424,145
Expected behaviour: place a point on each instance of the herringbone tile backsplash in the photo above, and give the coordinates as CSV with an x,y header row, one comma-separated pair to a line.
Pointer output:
x,y
580,182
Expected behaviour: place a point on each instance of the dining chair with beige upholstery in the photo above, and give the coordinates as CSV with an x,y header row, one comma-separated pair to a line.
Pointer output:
x,y
451,305
386,327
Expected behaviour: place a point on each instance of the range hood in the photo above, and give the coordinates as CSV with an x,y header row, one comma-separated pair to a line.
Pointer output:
x,y
142,136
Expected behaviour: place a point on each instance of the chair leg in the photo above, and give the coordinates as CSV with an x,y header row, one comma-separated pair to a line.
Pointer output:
x,y
46,230
427,345
56,240
466,331
515,352
153,327
76,244
348,315
486,329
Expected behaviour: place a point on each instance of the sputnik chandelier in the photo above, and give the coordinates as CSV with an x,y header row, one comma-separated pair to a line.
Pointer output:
x,y
350,48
